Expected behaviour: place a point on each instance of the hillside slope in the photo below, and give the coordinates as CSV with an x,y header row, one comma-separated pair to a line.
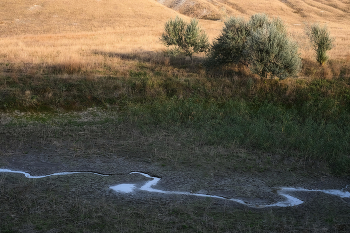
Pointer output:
x,y
289,10
32,31
45,16
138,24
334,13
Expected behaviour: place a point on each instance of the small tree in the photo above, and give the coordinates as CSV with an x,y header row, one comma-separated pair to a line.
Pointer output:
x,y
186,38
321,41
230,46
261,44
271,53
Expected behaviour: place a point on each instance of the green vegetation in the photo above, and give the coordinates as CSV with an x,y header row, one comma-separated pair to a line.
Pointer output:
x,y
320,40
297,117
186,140
262,44
229,47
187,38
270,52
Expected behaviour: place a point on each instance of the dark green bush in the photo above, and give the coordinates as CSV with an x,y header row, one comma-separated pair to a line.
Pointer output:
x,y
230,46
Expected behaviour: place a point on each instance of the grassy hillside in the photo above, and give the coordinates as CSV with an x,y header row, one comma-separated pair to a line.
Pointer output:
x,y
43,16
85,85
289,10
78,54
41,33
294,12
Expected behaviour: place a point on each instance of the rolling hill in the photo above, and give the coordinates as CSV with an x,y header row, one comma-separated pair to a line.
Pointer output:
x,y
289,10
33,29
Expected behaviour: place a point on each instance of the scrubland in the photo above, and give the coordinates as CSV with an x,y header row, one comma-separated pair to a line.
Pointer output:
x,y
64,57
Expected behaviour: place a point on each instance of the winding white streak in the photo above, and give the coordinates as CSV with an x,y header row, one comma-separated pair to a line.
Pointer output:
x,y
129,188
334,192
147,186
289,200
54,174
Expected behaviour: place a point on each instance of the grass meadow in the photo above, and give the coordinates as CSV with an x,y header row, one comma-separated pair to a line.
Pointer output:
x,y
305,117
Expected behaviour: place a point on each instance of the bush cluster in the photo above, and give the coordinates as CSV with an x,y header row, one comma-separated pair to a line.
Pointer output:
x,y
262,44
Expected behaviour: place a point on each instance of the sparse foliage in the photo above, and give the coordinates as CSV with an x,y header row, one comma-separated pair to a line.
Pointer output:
x,y
186,38
261,44
321,41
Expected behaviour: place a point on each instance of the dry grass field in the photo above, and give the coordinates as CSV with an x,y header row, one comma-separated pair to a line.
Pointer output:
x,y
93,34
79,33
294,12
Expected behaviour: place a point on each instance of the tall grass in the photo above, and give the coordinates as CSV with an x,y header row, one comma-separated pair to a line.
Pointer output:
x,y
269,127
306,117
323,95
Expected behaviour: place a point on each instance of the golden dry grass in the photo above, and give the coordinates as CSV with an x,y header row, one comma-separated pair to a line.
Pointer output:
x,y
295,13
83,33
95,33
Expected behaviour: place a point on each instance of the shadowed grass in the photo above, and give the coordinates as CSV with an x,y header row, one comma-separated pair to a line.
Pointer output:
x,y
305,117
324,93
65,204
267,128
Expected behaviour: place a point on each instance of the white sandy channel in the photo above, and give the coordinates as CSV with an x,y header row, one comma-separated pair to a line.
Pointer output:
x,y
148,187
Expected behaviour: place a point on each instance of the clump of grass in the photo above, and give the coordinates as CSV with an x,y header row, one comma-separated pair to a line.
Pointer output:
x,y
149,83
66,68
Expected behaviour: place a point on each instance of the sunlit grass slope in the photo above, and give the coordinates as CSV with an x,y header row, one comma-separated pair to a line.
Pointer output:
x,y
64,16
289,10
335,13
55,32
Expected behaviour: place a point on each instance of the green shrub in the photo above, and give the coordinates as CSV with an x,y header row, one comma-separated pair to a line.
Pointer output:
x,y
258,21
261,44
186,38
230,46
321,41
271,53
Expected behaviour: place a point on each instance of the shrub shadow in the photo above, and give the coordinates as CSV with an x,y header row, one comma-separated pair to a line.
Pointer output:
x,y
157,58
